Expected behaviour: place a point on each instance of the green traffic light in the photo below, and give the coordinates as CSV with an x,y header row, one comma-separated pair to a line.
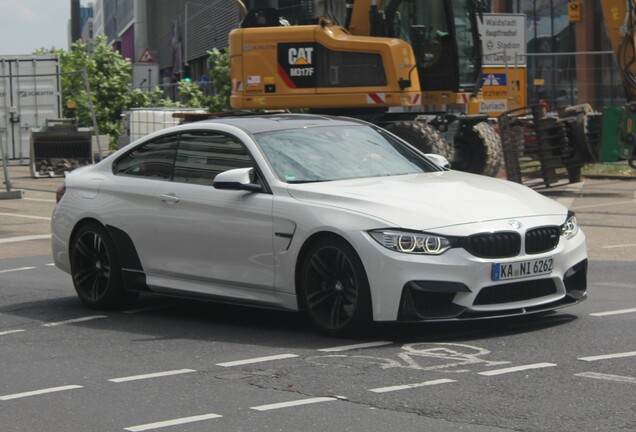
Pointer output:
x,y
187,79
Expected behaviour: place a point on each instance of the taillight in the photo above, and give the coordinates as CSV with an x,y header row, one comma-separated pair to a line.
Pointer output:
x,y
59,193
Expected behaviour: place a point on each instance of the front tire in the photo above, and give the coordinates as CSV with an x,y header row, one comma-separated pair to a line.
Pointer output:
x,y
95,269
478,150
334,288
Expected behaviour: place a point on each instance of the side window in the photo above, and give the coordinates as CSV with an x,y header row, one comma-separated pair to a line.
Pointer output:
x,y
349,69
153,159
202,155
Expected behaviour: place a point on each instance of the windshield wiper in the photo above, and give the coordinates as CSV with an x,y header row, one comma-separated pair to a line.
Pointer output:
x,y
307,181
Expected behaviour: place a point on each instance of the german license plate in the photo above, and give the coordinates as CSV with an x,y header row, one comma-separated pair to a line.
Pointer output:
x,y
522,269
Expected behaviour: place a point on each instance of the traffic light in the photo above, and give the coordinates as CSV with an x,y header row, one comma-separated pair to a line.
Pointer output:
x,y
186,73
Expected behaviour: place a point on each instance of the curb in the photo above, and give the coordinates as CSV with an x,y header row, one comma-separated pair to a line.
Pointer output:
x,y
16,194
609,177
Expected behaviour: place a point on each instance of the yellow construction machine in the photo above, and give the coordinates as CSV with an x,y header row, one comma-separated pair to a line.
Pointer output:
x,y
411,66
537,143
619,122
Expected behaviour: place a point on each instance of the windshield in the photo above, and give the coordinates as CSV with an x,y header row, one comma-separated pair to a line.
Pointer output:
x,y
338,153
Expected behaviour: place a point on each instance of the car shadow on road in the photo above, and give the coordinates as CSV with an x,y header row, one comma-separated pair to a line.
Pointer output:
x,y
162,318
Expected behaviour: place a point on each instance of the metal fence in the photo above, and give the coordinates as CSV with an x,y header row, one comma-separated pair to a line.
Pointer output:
x,y
572,78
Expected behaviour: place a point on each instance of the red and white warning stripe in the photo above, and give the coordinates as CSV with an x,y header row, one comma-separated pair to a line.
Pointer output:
x,y
376,98
415,100
238,85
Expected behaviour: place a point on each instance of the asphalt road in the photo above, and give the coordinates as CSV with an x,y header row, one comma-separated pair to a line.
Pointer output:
x,y
179,365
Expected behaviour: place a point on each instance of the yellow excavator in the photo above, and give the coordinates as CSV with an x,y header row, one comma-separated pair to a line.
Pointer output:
x,y
619,122
537,143
410,66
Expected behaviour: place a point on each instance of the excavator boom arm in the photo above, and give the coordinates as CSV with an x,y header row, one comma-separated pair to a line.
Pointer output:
x,y
620,24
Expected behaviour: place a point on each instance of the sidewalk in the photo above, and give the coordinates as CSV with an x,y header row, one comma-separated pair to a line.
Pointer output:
x,y
20,178
25,217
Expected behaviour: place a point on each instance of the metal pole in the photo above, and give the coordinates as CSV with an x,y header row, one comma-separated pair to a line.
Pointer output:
x,y
5,168
19,113
90,106
6,81
35,92
186,53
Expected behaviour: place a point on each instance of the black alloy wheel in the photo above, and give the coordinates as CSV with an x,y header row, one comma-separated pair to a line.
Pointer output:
x,y
335,290
95,268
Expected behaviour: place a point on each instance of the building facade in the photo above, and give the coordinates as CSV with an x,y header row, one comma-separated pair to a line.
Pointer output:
x,y
568,62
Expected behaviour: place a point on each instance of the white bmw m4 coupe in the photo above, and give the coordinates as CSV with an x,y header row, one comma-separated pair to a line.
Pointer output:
x,y
333,216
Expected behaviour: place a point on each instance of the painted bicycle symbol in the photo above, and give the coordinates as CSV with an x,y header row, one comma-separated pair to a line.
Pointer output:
x,y
441,357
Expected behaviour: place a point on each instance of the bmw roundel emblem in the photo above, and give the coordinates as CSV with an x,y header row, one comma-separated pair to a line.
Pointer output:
x,y
515,223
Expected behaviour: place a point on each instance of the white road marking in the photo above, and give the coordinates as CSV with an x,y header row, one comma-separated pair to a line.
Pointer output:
x,y
72,321
25,216
39,199
411,386
174,422
602,205
25,238
618,246
608,356
615,312
151,375
144,309
39,392
356,346
11,332
257,360
614,284
516,369
17,269
293,403
607,377
50,265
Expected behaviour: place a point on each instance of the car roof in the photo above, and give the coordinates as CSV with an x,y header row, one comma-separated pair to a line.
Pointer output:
x,y
276,122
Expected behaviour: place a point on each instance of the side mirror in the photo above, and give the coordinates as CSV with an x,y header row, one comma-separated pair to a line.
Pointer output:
x,y
237,179
439,160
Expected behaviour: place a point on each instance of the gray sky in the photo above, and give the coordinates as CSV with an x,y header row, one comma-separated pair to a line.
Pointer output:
x,y
26,25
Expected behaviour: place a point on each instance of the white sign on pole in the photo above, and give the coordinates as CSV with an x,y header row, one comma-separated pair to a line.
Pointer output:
x,y
145,76
503,34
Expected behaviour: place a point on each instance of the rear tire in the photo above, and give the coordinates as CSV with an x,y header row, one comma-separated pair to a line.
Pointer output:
x,y
420,135
334,289
96,270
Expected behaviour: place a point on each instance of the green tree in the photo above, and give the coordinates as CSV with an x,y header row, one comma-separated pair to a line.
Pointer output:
x,y
219,66
191,95
109,79
138,98
111,89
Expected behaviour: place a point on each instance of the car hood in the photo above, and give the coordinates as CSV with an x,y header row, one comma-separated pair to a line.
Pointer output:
x,y
431,200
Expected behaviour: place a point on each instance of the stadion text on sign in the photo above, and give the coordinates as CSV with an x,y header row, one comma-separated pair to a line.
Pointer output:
x,y
503,39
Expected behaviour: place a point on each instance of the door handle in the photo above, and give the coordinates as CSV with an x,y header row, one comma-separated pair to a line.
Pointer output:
x,y
169,198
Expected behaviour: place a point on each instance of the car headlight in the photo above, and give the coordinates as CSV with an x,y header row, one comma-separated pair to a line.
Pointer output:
x,y
412,242
570,228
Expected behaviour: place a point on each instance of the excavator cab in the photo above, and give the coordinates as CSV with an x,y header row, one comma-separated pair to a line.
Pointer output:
x,y
442,33
445,40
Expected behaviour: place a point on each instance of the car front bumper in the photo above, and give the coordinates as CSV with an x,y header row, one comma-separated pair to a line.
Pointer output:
x,y
457,285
